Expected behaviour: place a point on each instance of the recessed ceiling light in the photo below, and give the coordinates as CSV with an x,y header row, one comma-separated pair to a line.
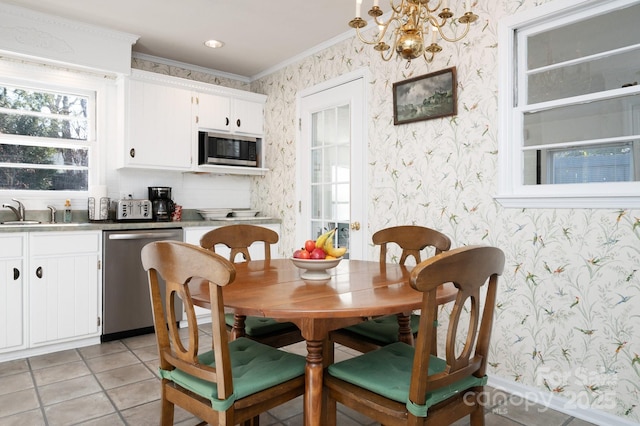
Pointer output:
x,y
214,44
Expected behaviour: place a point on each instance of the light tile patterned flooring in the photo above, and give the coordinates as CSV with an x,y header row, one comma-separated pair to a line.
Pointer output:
x,y
115,383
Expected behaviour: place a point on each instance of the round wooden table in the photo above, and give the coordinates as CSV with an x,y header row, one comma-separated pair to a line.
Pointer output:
x,y
356,291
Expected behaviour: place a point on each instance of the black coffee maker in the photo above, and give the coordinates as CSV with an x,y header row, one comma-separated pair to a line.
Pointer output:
x,y
161,203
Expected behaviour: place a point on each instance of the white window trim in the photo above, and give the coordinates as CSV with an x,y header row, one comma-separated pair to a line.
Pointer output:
x,y
52,76
511,192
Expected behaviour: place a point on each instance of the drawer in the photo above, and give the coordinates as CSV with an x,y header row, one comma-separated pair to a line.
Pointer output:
x,y
11,246
61,243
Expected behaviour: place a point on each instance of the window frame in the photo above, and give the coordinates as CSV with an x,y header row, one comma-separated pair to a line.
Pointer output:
x,y
100,87
512,192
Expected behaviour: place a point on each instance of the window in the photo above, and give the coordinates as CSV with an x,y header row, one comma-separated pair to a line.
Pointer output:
x,y
45,138
570,106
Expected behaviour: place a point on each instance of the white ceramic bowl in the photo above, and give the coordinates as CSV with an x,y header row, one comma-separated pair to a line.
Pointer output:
x,y
315,269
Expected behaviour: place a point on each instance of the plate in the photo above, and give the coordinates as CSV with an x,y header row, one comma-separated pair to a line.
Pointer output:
x,y
240,219
213,214
244,213
315,269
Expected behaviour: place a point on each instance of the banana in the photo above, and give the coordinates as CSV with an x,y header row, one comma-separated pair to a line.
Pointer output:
x,y
331,250
322,238
336,251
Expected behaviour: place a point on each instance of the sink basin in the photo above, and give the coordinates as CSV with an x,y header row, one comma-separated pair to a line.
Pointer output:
x,y
21,222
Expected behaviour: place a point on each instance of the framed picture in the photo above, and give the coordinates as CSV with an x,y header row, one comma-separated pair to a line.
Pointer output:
x,y
426,97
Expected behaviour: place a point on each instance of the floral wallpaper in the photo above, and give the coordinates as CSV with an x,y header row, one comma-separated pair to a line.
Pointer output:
x,y
568,319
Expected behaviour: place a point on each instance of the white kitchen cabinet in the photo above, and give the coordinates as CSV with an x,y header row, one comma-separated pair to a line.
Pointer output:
x,y
247,116
158,125
12,291
230,113
64,286
192,235
212,112
161,116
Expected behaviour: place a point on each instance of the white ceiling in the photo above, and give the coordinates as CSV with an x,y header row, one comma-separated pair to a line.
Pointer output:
x,y
259,34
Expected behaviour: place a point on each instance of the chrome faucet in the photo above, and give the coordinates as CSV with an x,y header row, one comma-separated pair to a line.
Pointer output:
x,y
19,212
52,214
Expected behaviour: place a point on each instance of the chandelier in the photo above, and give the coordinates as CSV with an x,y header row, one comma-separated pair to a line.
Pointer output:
x,y
412,21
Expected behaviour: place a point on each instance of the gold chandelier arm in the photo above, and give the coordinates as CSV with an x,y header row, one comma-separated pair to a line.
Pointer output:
x,y
397,9
430,58
364,40
454,39
386,58
436,7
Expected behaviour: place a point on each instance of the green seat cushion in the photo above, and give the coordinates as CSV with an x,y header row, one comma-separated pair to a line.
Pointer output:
x,y
383,330
387,372
254,366
260,326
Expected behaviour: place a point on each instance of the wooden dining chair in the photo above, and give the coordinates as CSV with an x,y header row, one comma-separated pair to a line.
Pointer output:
x,y
238,238
399,384
377,332
230,383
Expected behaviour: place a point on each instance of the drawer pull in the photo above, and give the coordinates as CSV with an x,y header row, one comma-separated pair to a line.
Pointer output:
x,y
39,272
16,273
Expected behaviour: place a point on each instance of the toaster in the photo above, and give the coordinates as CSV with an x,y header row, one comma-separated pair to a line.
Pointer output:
x,y
133,210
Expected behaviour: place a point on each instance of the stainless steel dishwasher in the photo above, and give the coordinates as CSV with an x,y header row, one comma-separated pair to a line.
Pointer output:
x,y
126,302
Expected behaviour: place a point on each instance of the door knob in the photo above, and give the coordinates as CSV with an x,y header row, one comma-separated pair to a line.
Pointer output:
x,y
355,226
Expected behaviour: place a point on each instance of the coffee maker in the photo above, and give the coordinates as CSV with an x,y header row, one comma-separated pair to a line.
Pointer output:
x,y
161,203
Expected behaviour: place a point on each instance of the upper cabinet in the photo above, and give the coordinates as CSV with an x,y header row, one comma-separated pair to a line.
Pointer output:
x,y
212,112
158,126
163,115
231,114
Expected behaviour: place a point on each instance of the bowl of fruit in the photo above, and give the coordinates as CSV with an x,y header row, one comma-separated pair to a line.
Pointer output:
x,y
317,256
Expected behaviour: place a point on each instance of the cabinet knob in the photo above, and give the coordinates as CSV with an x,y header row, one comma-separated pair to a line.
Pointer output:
x,y
355,226
226,123
238,122
39,272
132,153
16,273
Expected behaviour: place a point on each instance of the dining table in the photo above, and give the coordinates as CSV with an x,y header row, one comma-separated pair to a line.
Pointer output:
x,y
355,291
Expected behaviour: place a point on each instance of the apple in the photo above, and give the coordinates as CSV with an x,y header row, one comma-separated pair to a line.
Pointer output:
x,y
309,245
318,254
304,254
301,254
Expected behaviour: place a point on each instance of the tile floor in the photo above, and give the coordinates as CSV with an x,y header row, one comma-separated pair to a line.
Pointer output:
x,y
115,383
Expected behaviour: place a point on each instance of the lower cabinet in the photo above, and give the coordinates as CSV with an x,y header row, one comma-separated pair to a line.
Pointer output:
x,y
12,292
58,302
192,235
64,270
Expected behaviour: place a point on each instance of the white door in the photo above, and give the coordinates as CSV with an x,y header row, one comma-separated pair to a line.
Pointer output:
x,y
332,159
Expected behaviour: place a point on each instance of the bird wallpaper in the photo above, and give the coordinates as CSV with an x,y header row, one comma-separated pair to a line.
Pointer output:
x,y
567,322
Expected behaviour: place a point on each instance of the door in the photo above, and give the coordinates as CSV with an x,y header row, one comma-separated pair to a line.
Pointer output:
x,y
63,286
332,158
12,292
160,132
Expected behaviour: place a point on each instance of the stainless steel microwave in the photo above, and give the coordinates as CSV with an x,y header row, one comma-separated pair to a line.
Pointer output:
x,y
229,150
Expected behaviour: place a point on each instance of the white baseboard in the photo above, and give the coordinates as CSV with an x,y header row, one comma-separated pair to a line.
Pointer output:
x,y
558,403
46,349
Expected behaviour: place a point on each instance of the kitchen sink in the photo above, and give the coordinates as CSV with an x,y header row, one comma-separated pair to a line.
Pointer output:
x,y
21,222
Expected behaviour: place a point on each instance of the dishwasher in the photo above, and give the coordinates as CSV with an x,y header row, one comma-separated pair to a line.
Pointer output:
x,y
126,302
